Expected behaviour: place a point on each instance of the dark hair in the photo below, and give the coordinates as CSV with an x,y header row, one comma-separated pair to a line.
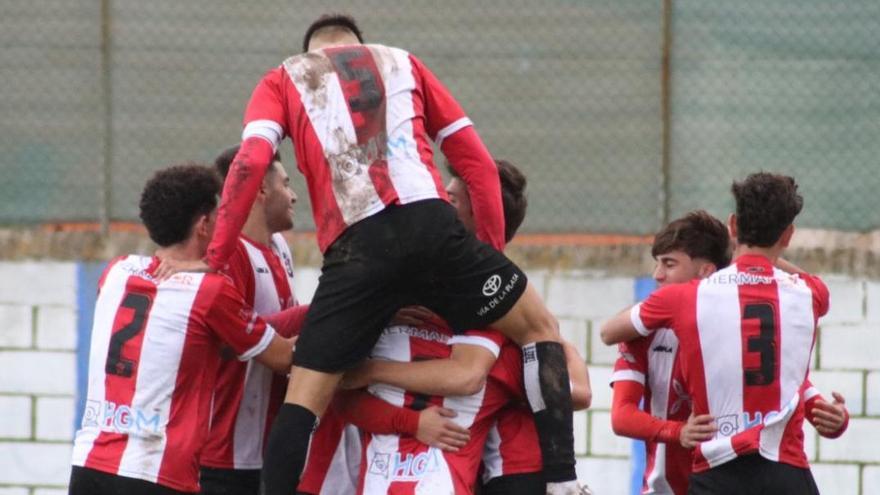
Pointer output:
x,y
513,195
174,198
766,204
339,21
699,235
224,160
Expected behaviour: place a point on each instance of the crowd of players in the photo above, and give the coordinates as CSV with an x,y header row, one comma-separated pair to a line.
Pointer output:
x,y
432,363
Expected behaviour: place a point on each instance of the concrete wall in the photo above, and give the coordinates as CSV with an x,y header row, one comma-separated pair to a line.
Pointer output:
x,y
44,307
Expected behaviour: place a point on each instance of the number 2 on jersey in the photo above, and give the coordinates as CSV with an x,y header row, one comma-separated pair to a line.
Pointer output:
x,y
764,343
116,365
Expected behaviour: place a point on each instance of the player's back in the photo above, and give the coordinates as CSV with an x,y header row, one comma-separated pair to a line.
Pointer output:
x,y
745,354
152,367
395,464
360,117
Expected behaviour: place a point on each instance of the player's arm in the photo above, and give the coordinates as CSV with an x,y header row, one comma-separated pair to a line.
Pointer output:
x,y
449,127
278,355
430,426
463,373
581,393
235,323
628,420
263,131
830,419
288,322
657,311
620,328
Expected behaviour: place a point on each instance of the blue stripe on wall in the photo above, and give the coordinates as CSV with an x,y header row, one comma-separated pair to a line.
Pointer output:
x,y
643,287
87,276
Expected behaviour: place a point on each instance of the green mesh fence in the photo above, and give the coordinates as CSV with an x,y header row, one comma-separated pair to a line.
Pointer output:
x,y
96,95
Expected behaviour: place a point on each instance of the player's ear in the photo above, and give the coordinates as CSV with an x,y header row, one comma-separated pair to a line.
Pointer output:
x,y
785,238
706,269
731,225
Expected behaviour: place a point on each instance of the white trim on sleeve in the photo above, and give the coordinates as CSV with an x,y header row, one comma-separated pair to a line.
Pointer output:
x,y
627,376
483,342
261,346
810,393
636,320
267,129
452,129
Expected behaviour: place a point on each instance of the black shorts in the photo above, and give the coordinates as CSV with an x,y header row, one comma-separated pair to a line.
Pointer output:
x,y
515,484
217,481
87,481
419,253
753,474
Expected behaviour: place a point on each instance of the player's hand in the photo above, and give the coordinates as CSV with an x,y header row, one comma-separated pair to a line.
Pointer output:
x,y
829,418
697,429
437,430
412,315
357,377
168,267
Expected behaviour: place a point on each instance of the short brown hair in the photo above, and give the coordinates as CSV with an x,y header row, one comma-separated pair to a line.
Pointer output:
x,y
339,21
699,235
513,195
766,204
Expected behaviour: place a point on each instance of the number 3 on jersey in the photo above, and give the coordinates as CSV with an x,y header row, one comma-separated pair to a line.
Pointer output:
x,y
140,305
764,343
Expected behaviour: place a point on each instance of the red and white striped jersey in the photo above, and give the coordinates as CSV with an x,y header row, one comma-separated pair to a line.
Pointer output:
x,y
745,337
152,365
395,464
247,395
512,445
334,461
359,117
653,362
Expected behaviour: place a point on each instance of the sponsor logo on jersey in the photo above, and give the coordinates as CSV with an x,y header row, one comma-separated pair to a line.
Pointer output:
x,y
662,348
405,467
492,285
741,279
730,424
261,269
492,289
121,418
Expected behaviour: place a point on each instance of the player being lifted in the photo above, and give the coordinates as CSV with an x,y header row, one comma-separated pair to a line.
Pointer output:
x,y
745,334
648,369
155,349
474,374
360,118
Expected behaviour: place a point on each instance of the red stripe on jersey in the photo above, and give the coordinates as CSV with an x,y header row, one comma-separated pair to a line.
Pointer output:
x,y
362,83
121,369
325,441
759,307
190,431
420,133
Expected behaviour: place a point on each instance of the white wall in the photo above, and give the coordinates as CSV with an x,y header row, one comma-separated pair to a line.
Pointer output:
x,y
38,376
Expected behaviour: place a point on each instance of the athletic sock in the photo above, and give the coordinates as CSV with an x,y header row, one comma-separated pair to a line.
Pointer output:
x,y
286,450
548,389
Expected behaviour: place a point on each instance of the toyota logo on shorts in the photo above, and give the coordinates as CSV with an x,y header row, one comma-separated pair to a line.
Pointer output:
x,y
492,285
